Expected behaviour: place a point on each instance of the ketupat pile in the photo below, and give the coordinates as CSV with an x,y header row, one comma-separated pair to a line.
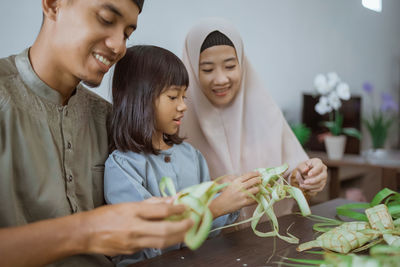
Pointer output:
x,y
386,196
352,236
272,189
380,256
380,223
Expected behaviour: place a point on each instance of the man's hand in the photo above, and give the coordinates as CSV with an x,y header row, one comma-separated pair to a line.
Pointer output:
x,y
128,227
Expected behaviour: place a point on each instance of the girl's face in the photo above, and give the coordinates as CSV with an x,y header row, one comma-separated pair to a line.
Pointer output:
x,y
169,107
220,74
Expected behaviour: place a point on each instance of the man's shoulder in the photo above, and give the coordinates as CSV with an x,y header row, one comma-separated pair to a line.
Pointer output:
x,y
7,66
8,70
98,105
93,97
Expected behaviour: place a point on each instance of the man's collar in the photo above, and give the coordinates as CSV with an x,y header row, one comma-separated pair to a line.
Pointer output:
x,y
33,81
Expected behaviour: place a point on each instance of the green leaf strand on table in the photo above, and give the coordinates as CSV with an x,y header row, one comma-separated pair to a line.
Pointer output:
x,y
386,196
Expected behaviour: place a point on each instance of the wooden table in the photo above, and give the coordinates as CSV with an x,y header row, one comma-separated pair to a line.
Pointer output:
x,y
243,248
389,171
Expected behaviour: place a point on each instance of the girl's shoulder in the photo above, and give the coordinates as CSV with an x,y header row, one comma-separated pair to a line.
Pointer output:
x,y
188,149
185,147
125,157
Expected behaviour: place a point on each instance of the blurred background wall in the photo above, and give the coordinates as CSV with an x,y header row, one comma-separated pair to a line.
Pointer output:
x,y
287,41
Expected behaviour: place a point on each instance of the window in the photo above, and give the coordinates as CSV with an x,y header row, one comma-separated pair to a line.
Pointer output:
x,y
375,5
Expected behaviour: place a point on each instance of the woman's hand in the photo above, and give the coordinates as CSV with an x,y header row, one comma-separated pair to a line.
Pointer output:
x,y
234,197
312,175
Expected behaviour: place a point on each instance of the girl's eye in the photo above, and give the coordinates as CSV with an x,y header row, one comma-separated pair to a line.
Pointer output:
x,y
172,97
230,67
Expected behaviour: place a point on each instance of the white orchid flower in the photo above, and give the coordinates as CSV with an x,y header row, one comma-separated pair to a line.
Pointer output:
x,y
321,84
333,79
323,100
322,107
334,100
343,91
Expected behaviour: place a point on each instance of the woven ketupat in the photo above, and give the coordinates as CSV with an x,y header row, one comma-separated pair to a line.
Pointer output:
x,y
379,215
342,239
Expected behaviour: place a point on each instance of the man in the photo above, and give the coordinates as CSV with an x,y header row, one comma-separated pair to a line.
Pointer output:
x,y
53,144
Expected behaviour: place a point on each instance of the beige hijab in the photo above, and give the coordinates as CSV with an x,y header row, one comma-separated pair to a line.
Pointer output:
x,y
249,133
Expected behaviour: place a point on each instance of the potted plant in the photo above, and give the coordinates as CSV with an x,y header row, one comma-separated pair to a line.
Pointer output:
x,y
332,91
302,132
379,120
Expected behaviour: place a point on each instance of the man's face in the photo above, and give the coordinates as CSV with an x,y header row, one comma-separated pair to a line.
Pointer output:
x,y
90,36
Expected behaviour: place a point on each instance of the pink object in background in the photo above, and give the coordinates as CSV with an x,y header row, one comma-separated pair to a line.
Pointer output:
x,y
355,194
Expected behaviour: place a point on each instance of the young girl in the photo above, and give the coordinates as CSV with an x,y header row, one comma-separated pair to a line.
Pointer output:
x,y
149,88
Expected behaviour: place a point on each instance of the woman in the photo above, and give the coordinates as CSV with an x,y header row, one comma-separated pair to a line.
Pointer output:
x,y
231,117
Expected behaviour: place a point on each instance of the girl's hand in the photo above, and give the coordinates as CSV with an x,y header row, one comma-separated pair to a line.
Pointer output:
x,y
313,175
158,200
233,196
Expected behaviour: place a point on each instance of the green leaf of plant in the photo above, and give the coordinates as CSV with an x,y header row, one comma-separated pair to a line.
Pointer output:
x,y
352,132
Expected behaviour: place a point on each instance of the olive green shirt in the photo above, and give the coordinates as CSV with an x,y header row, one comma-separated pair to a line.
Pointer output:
x,y
51,156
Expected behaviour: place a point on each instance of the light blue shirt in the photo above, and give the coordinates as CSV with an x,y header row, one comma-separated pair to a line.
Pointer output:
x,y
131,176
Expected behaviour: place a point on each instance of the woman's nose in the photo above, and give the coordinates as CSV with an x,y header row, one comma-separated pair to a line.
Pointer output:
x,y
220,77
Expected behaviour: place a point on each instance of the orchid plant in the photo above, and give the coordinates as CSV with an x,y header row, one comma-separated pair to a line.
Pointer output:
x,y
332,92
380,120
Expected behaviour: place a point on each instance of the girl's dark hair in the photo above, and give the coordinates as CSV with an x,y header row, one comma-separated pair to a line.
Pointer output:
x,y
139,79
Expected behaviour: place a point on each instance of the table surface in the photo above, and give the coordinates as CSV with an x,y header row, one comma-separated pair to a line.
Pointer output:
x,y
244,248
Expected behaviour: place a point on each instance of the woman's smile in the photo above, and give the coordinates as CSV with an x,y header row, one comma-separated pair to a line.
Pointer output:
x,y
221,92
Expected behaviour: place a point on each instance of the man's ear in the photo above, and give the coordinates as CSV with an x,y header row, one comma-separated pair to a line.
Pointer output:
x,y
50,8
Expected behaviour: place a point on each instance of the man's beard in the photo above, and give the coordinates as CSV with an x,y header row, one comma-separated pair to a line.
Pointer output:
x,y
91,84
91,81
